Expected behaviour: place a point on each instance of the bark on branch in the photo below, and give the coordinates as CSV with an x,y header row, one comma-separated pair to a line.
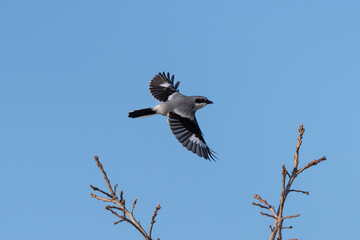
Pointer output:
x,y
119,203
276,229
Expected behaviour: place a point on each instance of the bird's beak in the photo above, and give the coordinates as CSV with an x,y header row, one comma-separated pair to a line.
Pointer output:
x,y
209,102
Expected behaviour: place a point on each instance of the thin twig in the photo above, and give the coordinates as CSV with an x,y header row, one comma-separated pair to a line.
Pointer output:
x,y
119,221
115,213
105,176
301,130
268,206
292,216
100,198
115,188
99,190
312,163
153,219
268,215
285,190
121,195
259,205
114,207
304,192
120,205
132,210
262,200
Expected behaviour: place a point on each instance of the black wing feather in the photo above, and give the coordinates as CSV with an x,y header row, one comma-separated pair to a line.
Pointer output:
x,y
162,86
188,133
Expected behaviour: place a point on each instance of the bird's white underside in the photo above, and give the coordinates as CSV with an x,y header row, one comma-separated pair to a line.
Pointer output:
x,y
171,101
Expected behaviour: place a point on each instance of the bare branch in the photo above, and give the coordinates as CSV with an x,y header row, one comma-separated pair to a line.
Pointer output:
x,y
261,200
115,213
285,190
301,130
114,207
268,215
132,210
292,216
115,188
304,192
312,163
268,207
153,218
259,205
282,200
105,176
99,190
119,221
120,205
100,198
121,195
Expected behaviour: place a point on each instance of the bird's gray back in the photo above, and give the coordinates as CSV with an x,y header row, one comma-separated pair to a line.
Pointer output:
x,y
178,103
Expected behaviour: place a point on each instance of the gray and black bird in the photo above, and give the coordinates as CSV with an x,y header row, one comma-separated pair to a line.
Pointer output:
x,y
180,110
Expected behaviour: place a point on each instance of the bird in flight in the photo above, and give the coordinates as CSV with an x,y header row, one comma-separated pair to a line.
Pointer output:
x,y
180,110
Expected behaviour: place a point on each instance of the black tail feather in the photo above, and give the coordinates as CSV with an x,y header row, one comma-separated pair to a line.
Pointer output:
x,y
141,113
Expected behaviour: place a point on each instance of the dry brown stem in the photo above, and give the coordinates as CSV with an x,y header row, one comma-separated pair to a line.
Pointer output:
x,y
259,205
153,218
268,215
126,216
304,192
132,209
292,216
278,215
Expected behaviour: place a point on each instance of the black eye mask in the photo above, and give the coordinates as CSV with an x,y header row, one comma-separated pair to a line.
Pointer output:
x,y
200,100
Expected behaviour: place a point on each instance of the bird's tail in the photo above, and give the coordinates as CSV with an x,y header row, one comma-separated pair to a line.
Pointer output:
x,y
142,113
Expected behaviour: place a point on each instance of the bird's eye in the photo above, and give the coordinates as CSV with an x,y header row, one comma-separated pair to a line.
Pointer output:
x,y
200,100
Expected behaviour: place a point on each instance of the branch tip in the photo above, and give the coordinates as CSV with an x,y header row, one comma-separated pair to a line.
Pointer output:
x,y
268,215
286,189
153,219
132,210
304,192
120,204
292,216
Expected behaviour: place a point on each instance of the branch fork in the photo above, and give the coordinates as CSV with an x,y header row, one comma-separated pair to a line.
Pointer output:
x,y
286,189
119,203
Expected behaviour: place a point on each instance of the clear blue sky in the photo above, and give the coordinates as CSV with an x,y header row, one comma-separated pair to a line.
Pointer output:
x,y
70,71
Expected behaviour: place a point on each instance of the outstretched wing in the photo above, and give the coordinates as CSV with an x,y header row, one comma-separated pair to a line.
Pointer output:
x,y
161,86
188,133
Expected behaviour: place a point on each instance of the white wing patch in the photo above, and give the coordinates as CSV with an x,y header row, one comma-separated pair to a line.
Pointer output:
x,y
188,133
165,85
162,86
196,140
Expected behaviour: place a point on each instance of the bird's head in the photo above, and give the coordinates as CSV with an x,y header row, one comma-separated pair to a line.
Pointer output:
x,y
201,102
